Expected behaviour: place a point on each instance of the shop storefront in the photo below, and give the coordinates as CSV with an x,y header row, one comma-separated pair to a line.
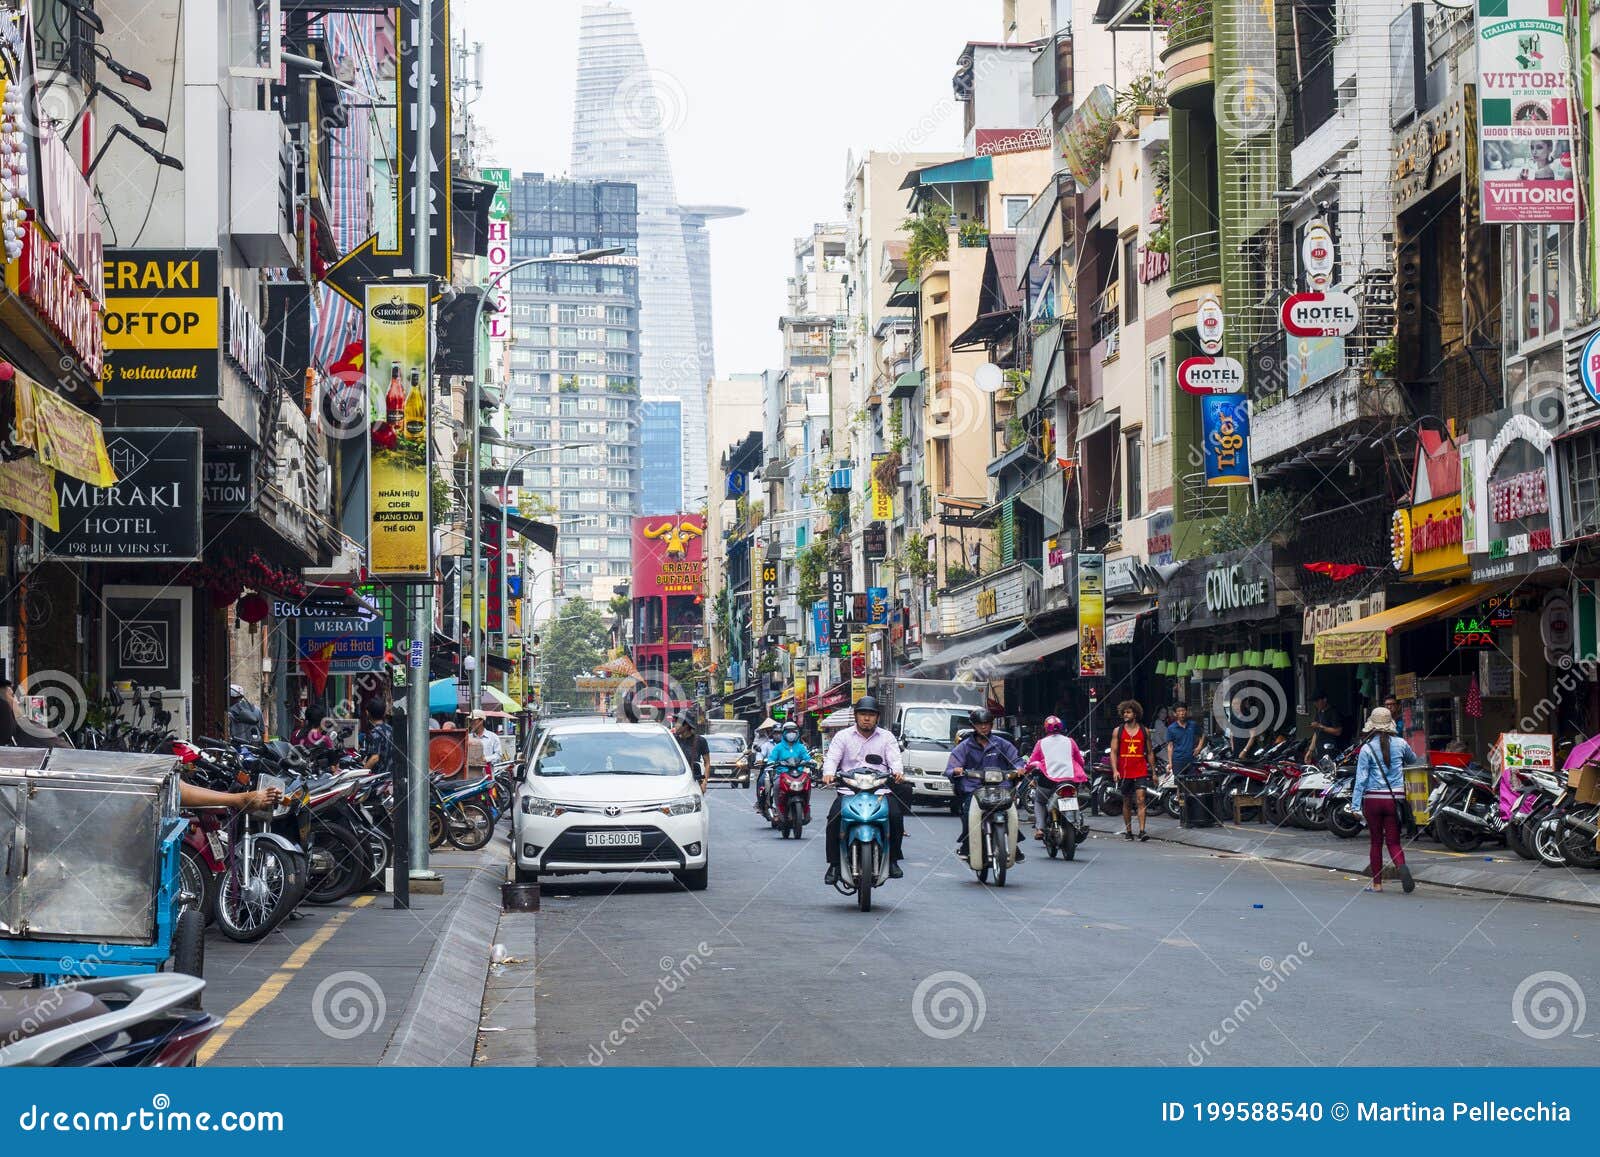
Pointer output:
x,y
1236,621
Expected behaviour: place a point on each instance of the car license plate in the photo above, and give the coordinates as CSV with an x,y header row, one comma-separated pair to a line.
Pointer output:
x,y
612,840
219,850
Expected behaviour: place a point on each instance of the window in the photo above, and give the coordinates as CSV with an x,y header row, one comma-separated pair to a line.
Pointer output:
x,y
1544,280
1130,278
1014,209
1160,399
1134,473
567,335
591,358
567,314
589,333
567,360
617,338
619,315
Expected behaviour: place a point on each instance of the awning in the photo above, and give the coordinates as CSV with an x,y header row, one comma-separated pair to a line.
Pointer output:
x,y
970,647
837,696
1367,640
906,384
951,173
1120,633
1027,654
905,295
541,534
470,202
986,328
1091,424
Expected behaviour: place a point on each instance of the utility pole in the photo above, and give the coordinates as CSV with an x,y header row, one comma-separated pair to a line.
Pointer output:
x,y
422,612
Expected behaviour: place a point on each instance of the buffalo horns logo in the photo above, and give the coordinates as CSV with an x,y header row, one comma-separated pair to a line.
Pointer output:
x,y
677,533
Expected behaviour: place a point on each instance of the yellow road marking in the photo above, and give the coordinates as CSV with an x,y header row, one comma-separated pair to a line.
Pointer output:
x,y
278,981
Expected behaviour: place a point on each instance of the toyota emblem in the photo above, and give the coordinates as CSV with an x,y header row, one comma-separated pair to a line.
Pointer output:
x,y
613,810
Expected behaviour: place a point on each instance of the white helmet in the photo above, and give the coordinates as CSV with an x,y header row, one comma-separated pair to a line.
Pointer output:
x,y
235,691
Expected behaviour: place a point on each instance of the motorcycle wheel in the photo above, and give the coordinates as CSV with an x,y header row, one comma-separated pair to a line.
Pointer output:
x,y
1343,825
198,882
189,948
471,828
349,858
1457,836
866,875
436,836
381,851
797,818
999,838
1579,849
1272,810
1053,835
1517,842
246,918
1172,805
1546,843
1069,841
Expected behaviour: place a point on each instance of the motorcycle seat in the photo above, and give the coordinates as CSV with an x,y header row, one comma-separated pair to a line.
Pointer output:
x,y
29,1012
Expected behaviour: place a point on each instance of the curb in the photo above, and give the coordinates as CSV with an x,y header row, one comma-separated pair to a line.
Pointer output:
x,y
1445,875
440,1023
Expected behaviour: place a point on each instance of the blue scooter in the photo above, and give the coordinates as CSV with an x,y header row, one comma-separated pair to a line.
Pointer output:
x,y
864,831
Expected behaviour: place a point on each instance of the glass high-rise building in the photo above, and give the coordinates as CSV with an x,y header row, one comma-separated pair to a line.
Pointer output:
x,y
574,377
661,444
618,122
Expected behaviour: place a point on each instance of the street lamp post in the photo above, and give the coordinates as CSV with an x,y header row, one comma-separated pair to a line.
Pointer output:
x,y
474,435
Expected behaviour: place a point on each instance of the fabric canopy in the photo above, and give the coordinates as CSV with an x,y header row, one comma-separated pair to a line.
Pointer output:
x,y
1367,640
968,169
1027,654
967,648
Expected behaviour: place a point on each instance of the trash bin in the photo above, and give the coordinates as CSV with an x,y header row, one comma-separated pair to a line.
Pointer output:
x,y
1198,796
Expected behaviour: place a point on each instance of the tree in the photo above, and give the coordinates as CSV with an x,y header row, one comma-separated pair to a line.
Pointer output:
x,y
574,645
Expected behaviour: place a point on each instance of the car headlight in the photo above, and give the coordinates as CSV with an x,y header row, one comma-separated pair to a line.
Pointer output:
x,y
683,805
534,805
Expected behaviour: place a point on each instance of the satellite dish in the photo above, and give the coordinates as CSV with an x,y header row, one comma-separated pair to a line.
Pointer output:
x,y
989,378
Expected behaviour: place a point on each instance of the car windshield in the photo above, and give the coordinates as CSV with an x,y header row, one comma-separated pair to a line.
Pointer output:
x,y
725,744
931,728
609,753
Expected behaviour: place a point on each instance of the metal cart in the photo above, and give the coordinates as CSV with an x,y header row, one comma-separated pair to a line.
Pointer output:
x,y
89,866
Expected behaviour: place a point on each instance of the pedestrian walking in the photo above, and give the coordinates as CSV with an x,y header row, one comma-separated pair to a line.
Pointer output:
x,y
1380,792
1133,758
1183,737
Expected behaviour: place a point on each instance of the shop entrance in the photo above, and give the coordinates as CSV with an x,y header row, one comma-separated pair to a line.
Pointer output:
x,y
147,640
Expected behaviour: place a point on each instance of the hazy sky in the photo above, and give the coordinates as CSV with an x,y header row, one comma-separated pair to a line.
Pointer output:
x,y
762,102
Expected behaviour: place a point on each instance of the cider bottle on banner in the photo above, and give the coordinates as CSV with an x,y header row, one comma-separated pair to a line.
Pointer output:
x,y
416,409
394,402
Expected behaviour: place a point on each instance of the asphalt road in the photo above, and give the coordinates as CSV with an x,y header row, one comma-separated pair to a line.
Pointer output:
x,y
1132,954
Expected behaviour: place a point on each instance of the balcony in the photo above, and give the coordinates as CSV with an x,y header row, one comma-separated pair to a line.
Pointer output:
x,y
1196,260
1200,502
1107,314
1191,24
1315,101
1052,67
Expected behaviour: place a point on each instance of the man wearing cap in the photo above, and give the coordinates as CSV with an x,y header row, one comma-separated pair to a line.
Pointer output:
x,y
848,752
483,745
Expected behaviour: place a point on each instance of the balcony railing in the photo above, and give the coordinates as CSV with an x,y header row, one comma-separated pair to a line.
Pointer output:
x,y
1196,259
1315,101
1191,23
1107,312
1201,502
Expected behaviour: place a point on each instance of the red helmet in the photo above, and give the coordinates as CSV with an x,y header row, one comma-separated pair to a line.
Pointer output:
x,y
1052,725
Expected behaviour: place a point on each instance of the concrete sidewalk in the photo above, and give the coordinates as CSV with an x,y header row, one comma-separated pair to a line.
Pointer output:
x,y
1493,869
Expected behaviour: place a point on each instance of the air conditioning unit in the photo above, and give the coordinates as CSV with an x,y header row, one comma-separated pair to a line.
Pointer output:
x,y
264,174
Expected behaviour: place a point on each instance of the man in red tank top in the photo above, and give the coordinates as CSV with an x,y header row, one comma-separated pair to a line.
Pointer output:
x,y
1132,762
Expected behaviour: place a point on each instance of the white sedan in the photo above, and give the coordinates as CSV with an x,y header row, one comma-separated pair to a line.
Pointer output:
x,y
602,796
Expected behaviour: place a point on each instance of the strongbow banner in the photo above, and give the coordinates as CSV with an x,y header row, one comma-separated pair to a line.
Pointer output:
x,y
400,512
30,490
1091,615
1525,112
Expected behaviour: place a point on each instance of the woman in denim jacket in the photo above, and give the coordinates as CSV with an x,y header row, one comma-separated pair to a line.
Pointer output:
x,y
1380,787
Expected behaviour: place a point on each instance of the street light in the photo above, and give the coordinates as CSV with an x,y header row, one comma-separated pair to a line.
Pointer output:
x,y
474,424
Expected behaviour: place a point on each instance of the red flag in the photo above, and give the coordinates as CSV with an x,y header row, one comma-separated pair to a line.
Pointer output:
x,y
1337,571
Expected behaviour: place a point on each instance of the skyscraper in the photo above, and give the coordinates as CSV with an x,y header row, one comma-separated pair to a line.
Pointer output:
x,y
619,118
661,445
574,383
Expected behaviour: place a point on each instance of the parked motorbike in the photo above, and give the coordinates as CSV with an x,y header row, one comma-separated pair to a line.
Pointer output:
x,y
1464,807
864,831
145,1021
992,826
792,791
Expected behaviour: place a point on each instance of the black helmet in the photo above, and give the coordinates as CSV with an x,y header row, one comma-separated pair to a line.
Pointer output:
x,y
979,715
868,703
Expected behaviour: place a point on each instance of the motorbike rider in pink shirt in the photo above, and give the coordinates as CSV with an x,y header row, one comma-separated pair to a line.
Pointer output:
x,y
1055,759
